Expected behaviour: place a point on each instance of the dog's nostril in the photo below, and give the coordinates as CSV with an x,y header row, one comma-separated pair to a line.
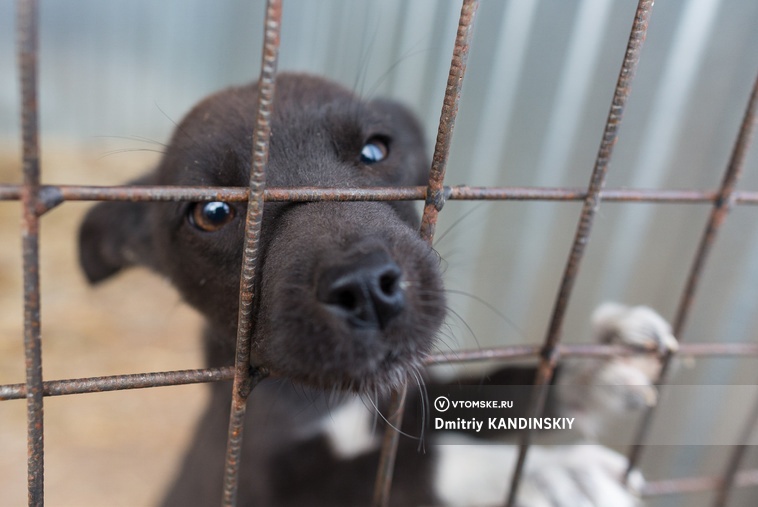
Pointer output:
x,y
388,283
345,298
366,292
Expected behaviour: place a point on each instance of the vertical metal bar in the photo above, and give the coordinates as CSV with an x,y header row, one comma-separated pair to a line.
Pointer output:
x,y
435,197
27,59
733,464
383,482
550,351
435,200
720,210
244,377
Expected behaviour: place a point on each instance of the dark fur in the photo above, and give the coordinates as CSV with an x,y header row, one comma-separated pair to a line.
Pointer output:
x,y
318,130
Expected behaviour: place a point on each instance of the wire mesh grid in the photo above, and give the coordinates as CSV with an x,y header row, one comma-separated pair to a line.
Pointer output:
x,y
37,199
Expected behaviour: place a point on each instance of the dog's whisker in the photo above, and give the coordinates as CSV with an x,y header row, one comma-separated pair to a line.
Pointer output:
x,y
386,421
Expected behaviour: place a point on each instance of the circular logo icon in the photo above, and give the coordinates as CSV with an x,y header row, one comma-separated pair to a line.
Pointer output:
x,y
441,404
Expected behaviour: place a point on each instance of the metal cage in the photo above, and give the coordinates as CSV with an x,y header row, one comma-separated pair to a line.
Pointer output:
x,y
37,199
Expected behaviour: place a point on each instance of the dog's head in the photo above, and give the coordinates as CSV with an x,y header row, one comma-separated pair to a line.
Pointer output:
x,y
346,294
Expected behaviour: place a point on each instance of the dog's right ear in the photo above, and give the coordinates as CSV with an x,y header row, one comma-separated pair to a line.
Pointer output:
x,y
113,236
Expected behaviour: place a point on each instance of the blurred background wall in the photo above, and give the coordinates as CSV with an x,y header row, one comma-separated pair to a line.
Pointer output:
x,y
116,76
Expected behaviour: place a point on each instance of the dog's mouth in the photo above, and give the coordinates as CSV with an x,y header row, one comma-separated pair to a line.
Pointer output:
x,y
361,321
364,374
348,348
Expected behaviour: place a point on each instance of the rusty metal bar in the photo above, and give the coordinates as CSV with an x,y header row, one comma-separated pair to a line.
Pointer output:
x,y
245,376
52,195
587,350
576,194
435,200
550,351
735,459
385,472
743,479
37,199
722,206
513,352
721,209
120,382
435,195
28,42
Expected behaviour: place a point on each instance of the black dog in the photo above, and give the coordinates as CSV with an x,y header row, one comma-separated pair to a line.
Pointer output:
x,y
349,299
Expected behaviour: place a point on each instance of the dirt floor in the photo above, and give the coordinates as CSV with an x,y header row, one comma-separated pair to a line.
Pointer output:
x,y
105,449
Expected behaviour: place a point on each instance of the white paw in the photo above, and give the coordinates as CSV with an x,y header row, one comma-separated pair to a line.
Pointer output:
x,y
563,476
593,390
578,476
637,326
469,473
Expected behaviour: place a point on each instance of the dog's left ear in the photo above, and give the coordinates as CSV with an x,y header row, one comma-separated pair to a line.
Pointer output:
x,y
113,236
410,134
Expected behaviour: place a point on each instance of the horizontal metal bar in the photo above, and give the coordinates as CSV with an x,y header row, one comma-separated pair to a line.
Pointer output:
x,y
120,382
744,478
576,194
589,350
52,195
182,377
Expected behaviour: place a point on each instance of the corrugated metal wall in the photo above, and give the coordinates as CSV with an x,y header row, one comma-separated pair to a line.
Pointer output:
x,y
541,75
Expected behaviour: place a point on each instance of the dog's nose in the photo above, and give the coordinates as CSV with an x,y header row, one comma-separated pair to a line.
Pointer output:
x,y
366,291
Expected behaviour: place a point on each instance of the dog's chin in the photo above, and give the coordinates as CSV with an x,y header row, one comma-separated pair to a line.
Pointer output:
x,y
380,379
377,383
369,363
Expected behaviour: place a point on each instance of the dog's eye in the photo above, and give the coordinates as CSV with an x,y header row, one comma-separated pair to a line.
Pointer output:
x,y
210,216
375,150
